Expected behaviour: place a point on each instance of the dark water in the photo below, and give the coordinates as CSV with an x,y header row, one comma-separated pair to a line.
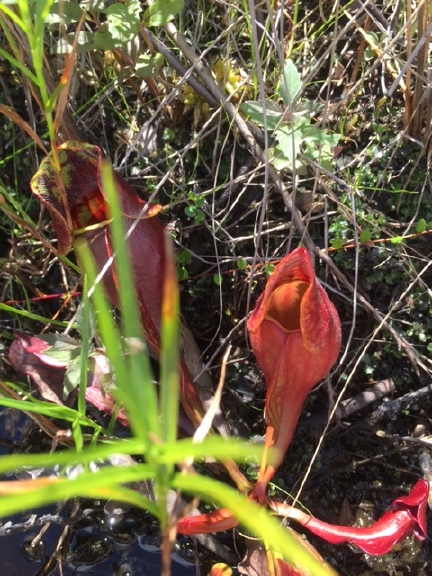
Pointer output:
x,y
96,543
92,554
93,544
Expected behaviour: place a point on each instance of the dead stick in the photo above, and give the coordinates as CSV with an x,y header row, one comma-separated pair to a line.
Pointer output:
x,y
352,405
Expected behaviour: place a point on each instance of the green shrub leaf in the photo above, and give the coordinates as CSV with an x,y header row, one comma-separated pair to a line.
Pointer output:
x,y
162,11
365,236
290,86
421,226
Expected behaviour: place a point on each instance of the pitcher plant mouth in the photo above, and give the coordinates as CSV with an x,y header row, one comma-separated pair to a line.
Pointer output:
x,y
295,334
284,305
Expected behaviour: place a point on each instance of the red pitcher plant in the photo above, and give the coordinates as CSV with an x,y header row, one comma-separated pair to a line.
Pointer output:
x,y
75,199
294,332
295,335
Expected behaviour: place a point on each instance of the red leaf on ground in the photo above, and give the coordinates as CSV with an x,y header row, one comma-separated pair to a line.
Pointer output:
x,y
30,355
26,355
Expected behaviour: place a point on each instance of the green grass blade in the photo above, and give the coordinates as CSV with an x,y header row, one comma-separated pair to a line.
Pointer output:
x,y
212,447
111,336
255,518
16,64
49,410
99,452
105,483
169,358
11,14
31,316
138,391
85,344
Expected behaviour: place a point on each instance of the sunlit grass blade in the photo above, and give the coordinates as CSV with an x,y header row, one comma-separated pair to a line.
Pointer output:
x,y
16,64
85,345
169,358
256,519
105,483
100,452
31,316
110,334
213,447
19,210
138,391
49,410
11,14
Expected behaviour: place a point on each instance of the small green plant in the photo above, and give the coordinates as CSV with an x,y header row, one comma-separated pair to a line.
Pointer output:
x,y
291,125
194,209
183,258
115,24
419,331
